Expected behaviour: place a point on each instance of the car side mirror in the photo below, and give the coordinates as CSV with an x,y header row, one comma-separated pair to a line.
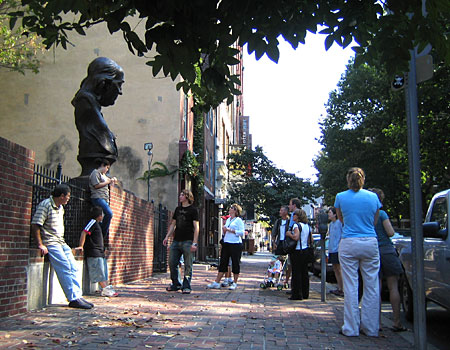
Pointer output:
x,y
433,230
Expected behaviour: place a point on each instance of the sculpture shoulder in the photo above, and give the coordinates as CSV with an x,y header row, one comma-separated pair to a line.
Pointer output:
x,y
86,100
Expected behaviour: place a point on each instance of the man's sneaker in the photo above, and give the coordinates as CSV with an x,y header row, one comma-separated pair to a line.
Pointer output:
x,y
109,292
214,285
232,286
79,304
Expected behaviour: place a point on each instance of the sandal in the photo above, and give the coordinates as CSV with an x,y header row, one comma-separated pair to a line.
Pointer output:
x,y
399,329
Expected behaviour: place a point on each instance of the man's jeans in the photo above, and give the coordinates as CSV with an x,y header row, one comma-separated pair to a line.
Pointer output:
x,y
177,249
100,202
63,262
360,253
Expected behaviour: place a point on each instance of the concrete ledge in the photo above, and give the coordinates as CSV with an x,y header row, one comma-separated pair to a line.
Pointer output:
x,y
43,286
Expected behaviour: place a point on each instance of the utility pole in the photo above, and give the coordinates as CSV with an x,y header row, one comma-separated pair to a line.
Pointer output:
x,y
415,196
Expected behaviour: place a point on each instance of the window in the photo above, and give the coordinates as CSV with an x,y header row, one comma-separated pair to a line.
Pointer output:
x,y
439,213
207,165
185,117
211,166
211,122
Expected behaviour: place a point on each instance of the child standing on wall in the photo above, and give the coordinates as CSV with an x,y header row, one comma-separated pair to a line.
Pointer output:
x,y
91,241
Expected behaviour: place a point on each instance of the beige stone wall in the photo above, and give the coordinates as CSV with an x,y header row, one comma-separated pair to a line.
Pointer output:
x,y
35,111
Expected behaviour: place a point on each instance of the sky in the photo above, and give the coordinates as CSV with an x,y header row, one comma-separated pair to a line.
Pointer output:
x,y
285,101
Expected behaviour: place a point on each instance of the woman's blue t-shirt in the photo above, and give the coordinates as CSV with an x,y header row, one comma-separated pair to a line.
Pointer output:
x,y
358,210
383,238
335,233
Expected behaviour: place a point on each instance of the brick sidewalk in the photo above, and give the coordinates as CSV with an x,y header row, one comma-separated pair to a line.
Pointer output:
x,y
145,316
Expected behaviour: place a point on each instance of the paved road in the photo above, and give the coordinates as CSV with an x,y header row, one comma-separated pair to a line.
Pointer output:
x,y
145,316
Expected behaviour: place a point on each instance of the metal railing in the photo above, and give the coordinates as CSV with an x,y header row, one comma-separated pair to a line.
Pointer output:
x,y
76,210
160,220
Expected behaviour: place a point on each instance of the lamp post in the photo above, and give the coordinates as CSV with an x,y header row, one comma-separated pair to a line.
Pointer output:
x,y
149,146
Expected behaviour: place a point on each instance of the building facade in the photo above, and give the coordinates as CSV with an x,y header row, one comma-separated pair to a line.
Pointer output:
x,y
36,112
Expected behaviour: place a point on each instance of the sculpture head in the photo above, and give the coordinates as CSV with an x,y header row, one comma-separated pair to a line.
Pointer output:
x,y
105,78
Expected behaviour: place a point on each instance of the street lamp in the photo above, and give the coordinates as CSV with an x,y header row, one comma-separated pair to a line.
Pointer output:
x,y
149,146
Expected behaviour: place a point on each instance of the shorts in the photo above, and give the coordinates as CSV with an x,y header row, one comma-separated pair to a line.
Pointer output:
x,y
390,264
333,258
98,269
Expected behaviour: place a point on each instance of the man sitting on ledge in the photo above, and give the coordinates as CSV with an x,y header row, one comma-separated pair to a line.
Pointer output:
x,y
48,227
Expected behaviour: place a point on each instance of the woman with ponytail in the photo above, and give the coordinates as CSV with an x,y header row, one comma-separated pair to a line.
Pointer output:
x,y
358,210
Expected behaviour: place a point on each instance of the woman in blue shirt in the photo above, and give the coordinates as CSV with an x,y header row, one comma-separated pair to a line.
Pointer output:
x,y
358,210
390,265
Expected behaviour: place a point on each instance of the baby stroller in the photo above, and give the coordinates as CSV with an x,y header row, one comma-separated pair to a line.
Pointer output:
x,y
275,273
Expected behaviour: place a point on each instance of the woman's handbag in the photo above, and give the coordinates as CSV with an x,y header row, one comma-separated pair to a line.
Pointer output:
x,y
287,246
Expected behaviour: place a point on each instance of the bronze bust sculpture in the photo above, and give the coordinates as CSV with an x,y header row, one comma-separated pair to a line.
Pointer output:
x,y
101,87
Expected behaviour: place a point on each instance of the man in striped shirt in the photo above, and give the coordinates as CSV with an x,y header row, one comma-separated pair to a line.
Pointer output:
x,y
48,227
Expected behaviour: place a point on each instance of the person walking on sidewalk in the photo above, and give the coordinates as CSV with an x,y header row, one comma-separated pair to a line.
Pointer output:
x,y
335,234
300,232
390,265
184,229
99,185
47,226
91,242
233,231
358,210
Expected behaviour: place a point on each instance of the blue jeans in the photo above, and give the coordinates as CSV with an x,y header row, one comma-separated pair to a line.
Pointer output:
x,y
177,249
100,202
63,262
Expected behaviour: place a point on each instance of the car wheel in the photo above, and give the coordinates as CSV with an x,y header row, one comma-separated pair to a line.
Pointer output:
x,y
406,299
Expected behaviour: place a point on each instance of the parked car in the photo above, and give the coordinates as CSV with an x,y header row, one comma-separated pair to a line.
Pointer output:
x,y
436,250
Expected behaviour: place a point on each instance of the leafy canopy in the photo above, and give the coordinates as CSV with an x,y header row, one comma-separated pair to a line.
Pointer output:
x,y
256,182
365,126
18,48
188,35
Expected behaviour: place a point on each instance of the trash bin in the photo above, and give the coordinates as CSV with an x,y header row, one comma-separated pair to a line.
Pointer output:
x,y
251,246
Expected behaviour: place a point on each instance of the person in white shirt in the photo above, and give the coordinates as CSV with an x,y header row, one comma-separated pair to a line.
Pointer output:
x,y
232,231
300,232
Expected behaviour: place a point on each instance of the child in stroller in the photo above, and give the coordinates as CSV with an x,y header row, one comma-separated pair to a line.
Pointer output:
x,y
275,273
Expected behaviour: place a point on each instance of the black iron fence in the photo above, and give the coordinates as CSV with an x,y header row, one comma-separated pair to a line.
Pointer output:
x,y
160,230
76,210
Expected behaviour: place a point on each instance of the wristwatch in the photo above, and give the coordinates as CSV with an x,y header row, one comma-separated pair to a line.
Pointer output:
x,y
194,244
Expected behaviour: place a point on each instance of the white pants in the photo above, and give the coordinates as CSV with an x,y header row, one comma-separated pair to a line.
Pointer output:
x,y
360,253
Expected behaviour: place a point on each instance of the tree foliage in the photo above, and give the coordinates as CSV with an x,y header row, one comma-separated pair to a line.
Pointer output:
x,y
18,48
256,182
365,126
199,36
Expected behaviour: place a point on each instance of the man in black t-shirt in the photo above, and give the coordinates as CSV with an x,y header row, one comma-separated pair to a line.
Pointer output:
x,y
184,228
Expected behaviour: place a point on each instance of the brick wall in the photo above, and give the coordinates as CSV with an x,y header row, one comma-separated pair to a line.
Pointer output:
x,y
131,237
16,182
131,232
